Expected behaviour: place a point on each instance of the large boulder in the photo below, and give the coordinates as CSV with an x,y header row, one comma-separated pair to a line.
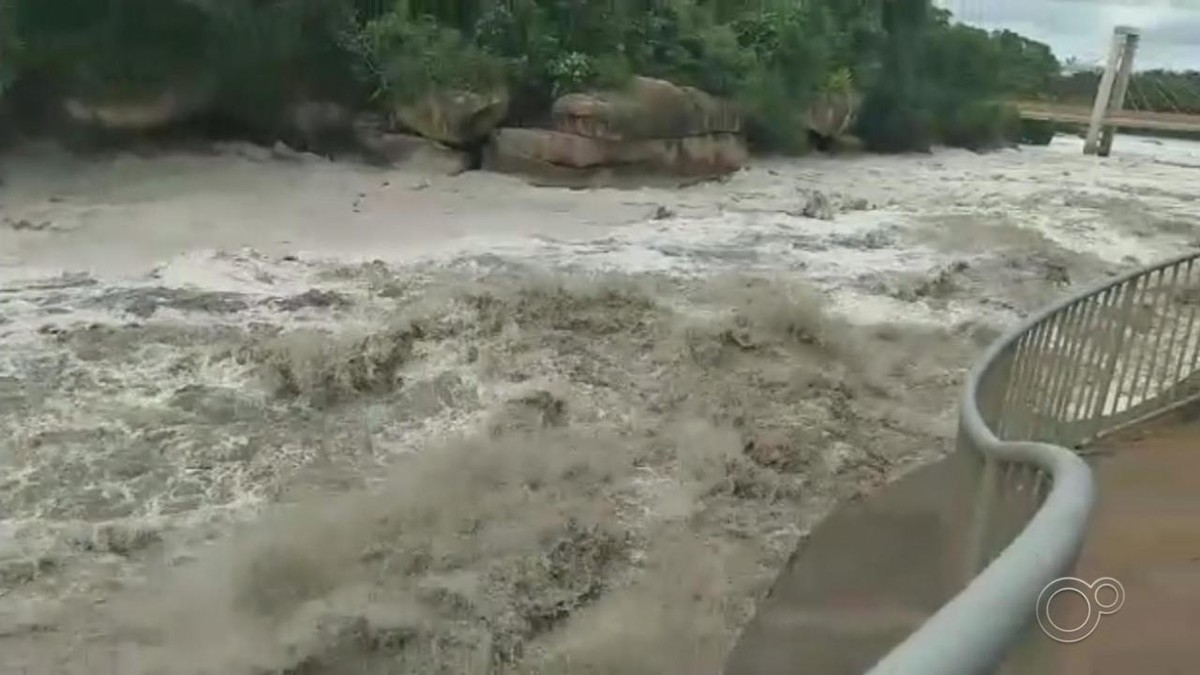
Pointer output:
x,y
413,152
454,116
832,114
547,153
646,109
314,120
141,113
650,129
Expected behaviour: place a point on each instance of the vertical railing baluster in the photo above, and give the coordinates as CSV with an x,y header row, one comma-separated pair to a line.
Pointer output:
x,y
1085,344
1189,334
1013,399
1133,349
1084,369
1102,340
1178,278
1071,344
1120,330
1162,309
1195,362
1042,373
983,521
1010,398
1030,359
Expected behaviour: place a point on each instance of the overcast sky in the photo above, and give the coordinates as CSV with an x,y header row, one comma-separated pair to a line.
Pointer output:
x,y
1083,28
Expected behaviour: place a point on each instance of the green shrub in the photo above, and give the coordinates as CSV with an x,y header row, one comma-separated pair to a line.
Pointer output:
x,y
268,54
774,123
1037,132
771,56
100,49
408,59
549,49
981,125
892,120
791,61
681,44
11,47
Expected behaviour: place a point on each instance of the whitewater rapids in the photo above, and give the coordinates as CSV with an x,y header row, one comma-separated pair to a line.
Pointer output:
x,y
300,417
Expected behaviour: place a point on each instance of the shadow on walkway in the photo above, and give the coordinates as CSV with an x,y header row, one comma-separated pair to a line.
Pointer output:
x,y
867,577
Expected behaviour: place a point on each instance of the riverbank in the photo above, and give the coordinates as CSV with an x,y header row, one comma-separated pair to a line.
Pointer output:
x,y
264,414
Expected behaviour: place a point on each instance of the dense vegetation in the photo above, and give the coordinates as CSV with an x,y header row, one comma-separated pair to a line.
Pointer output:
x,y
924,79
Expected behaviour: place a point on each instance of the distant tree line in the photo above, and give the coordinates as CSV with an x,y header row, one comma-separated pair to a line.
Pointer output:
x,y
923,78
1156,90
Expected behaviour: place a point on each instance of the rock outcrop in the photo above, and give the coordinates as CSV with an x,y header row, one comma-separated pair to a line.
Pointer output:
x,y
454,117
318,124
415,152
550,153
646,109
832,114
651,127
141,114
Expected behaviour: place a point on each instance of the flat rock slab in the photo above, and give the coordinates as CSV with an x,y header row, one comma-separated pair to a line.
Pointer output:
x,y
546,154
647,109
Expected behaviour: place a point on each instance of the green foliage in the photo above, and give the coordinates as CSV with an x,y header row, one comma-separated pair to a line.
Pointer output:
x,y
99,47
942,80
409,58
266,55
1037,132
1157,90
981,125
792,60
925,79
896,115
840,81
774,123
1028,69
895,120
11,50
549,49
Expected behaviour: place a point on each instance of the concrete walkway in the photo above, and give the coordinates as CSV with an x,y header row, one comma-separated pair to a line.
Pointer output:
x,y
1146,535
867,577
876,569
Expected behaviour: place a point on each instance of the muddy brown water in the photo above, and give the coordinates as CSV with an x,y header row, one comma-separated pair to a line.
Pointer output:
x,y
312,418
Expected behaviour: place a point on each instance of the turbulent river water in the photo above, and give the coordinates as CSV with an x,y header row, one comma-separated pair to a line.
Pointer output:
x,y
297,417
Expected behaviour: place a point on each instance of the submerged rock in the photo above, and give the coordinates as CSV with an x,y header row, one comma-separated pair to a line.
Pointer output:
x,y
816,206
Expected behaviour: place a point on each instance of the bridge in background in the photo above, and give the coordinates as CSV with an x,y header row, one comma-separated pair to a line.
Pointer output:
x,y
1125,119
1109,111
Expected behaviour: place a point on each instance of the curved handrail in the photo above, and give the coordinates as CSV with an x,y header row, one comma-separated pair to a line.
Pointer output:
x,y
979,626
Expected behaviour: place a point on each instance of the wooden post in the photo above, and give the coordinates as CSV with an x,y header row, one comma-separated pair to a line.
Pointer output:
x,y
1104,93
1120,87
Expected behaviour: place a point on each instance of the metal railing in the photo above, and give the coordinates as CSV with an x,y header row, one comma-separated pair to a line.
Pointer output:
x,y
1096,362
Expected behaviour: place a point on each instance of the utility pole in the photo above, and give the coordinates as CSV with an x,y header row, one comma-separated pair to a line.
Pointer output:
x,y
1120,88
1120,58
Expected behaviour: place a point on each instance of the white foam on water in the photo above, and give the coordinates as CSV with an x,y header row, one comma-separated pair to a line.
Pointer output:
x,y
145,233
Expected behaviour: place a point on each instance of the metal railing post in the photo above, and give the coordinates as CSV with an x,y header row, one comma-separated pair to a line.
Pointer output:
x,y
1026,383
